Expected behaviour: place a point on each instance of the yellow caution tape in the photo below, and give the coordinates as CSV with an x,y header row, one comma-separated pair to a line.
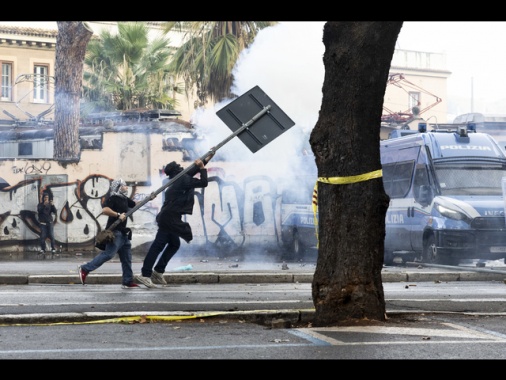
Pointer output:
x,y
132,319
339,181
351,179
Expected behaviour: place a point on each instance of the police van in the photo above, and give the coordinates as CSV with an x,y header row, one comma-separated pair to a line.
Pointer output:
x,y
296,218
298,233
446,195
493,124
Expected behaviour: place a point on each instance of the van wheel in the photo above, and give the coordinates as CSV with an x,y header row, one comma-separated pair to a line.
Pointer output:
x,y
293,249
431,256
430,251
388,259
297,246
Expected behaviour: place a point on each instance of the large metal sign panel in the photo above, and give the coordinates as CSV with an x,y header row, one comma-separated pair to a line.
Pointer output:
x,y
262,131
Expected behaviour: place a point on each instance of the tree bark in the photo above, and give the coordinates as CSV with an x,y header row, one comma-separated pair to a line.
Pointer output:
x,y
347,284
71,43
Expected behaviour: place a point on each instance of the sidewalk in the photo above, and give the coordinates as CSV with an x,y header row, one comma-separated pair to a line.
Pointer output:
x,y
63,271
189,269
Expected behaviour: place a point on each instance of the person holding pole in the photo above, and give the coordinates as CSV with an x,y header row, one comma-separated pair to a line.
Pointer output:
x,y
116,208
179,200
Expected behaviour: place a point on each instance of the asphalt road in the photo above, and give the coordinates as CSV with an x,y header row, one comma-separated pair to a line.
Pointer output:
x,y
425,320
235,310
421,337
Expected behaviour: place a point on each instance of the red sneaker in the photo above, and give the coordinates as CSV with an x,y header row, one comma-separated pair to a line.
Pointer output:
x,y
132,285
82,274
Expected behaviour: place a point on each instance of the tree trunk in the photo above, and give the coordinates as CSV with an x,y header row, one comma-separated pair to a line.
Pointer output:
x,y
71,43
347,284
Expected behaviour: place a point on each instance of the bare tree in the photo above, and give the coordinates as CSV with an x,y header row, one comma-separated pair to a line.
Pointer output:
x,y
347,284
71,42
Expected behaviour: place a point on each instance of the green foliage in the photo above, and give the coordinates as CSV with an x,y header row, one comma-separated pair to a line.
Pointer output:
x,y
127,71
209,53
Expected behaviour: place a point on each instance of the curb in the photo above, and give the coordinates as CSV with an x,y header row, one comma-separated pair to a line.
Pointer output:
x,y
274,318
248,277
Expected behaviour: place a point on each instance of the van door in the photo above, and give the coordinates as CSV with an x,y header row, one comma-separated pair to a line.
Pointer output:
x,y
403,164
397,179
423,193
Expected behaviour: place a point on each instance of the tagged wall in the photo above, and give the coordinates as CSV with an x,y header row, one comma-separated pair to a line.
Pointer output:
x,y
228,215
239,210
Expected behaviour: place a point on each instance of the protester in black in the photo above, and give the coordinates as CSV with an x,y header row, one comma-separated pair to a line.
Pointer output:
x,y
179,200
116,207
45,209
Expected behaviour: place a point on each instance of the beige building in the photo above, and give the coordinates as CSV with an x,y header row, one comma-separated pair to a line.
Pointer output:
x,y
417,79
244,204
27,59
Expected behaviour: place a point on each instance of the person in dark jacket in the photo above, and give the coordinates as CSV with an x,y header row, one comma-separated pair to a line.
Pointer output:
x,y
179,200
45,209
115,208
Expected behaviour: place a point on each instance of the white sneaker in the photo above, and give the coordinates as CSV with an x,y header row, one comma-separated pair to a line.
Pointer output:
x,y
157,278
146,281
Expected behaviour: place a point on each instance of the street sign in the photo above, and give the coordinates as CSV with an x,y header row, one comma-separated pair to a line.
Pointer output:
x,y
253,117
266,127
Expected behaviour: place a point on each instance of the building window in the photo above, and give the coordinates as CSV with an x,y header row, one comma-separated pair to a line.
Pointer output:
x,y
6,94
40,84
25,149
414,100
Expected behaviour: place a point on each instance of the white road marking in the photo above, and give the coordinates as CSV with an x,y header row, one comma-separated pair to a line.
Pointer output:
x,y
463,334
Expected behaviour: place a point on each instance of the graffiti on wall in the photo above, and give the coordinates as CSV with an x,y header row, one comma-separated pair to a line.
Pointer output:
x,y
42,168
227,215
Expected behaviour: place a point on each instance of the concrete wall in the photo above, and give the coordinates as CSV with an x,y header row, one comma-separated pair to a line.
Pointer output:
x,y
240,209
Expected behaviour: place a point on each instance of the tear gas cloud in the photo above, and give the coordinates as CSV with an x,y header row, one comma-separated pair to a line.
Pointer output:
x,y
286,62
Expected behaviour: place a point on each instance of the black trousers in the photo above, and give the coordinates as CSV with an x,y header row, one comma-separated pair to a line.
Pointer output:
x,y
47,231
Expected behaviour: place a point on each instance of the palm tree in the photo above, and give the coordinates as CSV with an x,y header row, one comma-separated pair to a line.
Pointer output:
x,y
208,54
126,70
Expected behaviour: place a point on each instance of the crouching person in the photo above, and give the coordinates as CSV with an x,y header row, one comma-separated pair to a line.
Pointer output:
x,y
115,208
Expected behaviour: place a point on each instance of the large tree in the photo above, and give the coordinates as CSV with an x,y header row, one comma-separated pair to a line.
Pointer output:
x,y
71,42
352,202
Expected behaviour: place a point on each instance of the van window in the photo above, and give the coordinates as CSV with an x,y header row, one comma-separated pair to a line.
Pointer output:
x,y
397,178
421,177
460,179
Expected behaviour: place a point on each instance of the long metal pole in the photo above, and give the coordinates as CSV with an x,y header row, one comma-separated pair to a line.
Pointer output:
x,y
211,151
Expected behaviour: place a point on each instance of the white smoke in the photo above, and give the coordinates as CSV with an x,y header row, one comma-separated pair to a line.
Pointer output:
x,y
286,62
